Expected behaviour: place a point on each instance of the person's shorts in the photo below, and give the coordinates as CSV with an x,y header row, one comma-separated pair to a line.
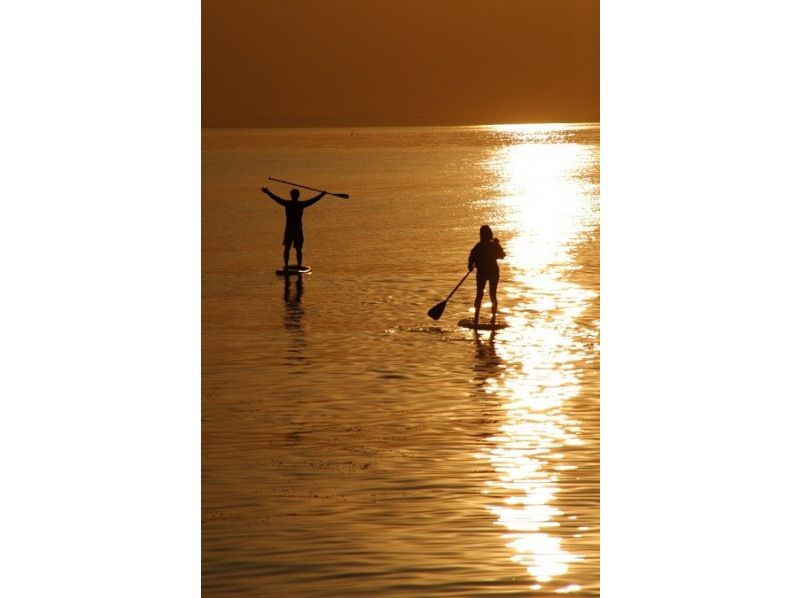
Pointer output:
x,y
293,237
492,276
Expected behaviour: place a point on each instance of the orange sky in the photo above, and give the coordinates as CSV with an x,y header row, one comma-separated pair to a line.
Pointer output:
x,y
399,62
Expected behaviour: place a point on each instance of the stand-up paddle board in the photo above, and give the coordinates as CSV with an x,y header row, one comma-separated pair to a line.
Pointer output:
x,y
482,325
293,269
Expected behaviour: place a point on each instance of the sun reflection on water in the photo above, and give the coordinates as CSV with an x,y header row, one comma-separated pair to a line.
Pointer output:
x,y
549,206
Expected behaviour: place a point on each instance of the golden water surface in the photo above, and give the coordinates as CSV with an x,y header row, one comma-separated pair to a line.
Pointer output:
x,y
351,445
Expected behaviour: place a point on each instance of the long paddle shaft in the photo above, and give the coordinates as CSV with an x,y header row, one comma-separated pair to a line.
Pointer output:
x,y
437,310
458,285
342,195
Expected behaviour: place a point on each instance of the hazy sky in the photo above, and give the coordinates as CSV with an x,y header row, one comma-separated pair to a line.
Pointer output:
x,y
399,62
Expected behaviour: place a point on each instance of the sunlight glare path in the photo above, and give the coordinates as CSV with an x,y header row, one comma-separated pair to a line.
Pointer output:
x,y
548,208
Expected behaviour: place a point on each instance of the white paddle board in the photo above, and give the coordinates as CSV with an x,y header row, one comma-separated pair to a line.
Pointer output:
x,y
293,269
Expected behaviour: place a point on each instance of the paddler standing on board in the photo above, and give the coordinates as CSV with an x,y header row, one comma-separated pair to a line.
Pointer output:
x,y
293,233
485,255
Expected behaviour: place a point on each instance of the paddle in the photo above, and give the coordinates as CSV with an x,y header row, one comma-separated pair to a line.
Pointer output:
x,y
342,195
437,310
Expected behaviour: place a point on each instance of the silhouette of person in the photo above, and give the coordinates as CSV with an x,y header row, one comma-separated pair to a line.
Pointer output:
x,y
485,255
293,233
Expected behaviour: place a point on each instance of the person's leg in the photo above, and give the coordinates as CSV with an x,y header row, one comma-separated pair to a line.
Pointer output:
x,y
493,296
479,296
287,245
298,247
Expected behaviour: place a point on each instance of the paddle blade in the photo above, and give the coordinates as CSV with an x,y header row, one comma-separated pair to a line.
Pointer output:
x,y
437,310
342,195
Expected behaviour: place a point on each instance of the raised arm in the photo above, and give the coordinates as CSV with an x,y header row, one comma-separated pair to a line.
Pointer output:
x,y
314,199
283,202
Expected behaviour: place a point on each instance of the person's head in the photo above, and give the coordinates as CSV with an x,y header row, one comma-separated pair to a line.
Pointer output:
x,y
295,193
486,233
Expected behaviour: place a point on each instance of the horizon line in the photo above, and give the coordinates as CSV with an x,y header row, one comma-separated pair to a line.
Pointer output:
x,y
397,126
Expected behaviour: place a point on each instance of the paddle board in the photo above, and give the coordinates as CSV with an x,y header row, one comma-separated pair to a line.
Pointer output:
x,y
293,269
482,325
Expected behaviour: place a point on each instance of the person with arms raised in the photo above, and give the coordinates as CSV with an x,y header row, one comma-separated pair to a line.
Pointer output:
x,y
293,232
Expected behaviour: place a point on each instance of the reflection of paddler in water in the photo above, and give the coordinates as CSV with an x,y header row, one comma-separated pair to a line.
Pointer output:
x,y
294,322
484,256
487,362
294,305
293,233
487,368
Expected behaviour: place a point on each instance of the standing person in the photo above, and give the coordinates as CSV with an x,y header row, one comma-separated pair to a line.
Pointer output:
x,y
293,233
485,255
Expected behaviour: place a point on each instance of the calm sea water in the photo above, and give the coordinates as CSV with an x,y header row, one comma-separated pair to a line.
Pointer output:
x,y
351,445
